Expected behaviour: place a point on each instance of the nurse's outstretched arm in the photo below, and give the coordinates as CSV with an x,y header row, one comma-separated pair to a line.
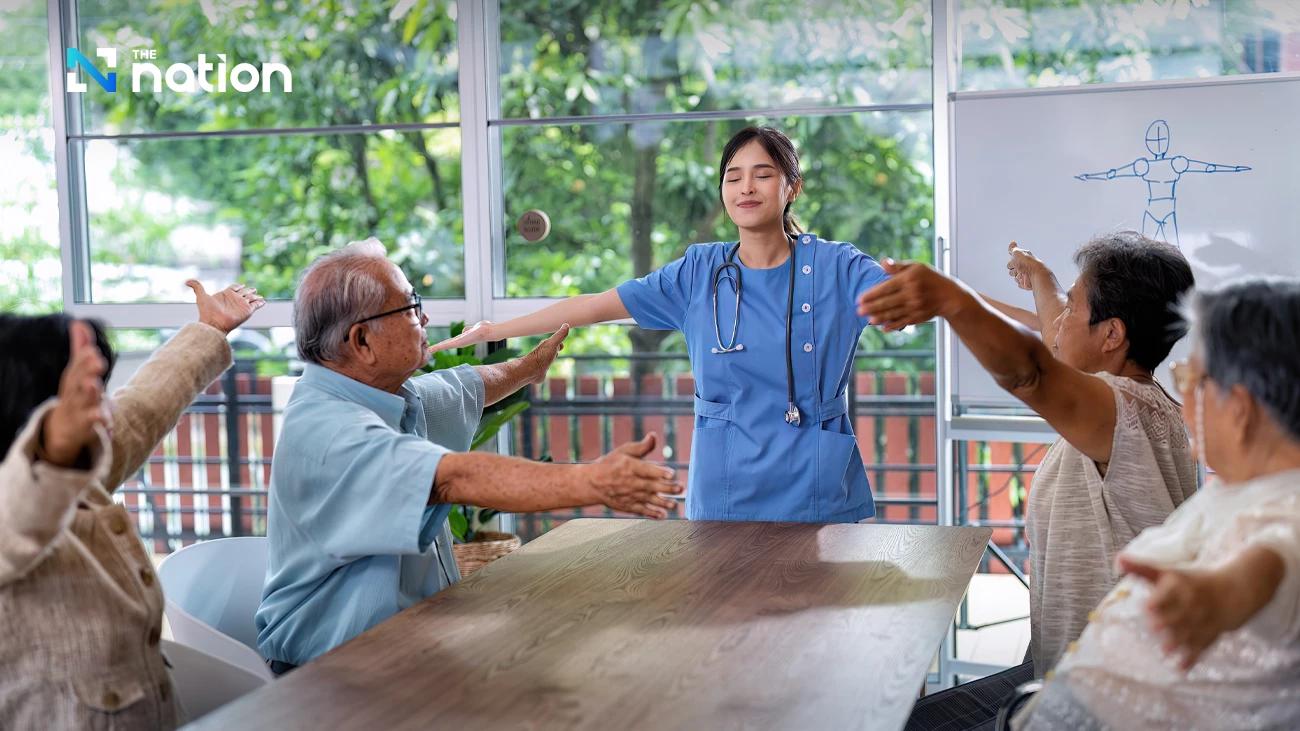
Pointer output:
x,y
584,309
1078,405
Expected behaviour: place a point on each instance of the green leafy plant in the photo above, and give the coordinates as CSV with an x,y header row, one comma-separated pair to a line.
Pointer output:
x,y
466,520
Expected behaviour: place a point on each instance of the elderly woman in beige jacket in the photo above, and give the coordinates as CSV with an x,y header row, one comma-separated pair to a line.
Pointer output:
x,y
80,606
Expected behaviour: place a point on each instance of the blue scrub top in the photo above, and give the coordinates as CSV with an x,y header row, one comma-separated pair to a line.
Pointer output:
x,y
746,462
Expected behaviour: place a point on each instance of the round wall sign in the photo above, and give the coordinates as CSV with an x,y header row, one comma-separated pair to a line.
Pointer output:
x,y
534,225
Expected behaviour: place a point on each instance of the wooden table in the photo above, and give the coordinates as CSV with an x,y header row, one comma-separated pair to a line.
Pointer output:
x,y
631,624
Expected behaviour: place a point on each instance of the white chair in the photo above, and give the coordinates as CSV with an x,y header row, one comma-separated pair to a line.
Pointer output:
x,y
204,683
213,590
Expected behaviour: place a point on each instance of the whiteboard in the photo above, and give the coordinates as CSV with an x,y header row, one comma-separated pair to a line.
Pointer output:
x,y
1016,155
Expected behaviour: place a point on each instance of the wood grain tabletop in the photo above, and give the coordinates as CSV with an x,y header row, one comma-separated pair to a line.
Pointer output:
x,y
632,624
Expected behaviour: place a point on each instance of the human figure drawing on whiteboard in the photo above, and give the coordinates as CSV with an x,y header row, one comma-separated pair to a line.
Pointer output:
x,y
1161,173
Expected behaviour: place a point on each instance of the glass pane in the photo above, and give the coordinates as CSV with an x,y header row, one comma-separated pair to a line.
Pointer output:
x,y
350,63
868,179
995,480
1008,44
259,209
30,269
605,58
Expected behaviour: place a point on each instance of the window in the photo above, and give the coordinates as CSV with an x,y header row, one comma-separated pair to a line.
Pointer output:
x,y
591,59
1007,45
260,208
255,185
627,198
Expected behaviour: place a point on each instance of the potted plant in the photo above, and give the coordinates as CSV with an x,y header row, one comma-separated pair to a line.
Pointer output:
x,y
476,547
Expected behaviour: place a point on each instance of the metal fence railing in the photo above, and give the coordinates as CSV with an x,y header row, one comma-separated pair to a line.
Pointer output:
x,y
210,475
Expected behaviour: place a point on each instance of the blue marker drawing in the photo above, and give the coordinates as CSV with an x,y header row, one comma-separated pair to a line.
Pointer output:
x,y
1161,174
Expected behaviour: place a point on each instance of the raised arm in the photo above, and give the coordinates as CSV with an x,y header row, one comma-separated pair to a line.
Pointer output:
x,y
620,480
584,309
1049,299
1018,314
502,379
1079,406
150,404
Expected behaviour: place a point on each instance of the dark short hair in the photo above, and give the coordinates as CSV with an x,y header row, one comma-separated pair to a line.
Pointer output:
x,y
781,149
1139,281
33,353
1249,331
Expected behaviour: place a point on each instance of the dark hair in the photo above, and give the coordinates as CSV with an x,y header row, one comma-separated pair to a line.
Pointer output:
x,y
782,152
33,353
1139,281
1250,335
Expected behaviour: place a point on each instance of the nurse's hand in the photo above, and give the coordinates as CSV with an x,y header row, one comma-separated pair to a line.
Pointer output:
x,y
480,332
914,293
622,481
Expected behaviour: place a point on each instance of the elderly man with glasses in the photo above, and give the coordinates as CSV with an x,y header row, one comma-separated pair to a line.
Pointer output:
x,y
370,460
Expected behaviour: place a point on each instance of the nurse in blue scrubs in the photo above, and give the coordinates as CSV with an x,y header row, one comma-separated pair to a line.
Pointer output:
x,y
771,329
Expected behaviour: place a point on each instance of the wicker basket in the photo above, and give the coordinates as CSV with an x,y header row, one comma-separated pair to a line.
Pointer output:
x,y
486,547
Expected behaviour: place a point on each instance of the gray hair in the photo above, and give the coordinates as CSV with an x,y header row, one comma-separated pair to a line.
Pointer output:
x,y
1249,331
336,290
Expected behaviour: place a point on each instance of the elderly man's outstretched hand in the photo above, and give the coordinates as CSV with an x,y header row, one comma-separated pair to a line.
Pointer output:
x,y
540,359
623,481
227,309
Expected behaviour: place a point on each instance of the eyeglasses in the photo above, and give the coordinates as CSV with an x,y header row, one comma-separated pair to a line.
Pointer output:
x,y
415,305
1184,377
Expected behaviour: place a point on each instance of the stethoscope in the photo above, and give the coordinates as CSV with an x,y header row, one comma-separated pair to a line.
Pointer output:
x,y
729,271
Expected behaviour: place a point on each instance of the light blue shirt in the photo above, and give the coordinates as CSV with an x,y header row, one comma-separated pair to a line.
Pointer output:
x,y
352,537
746,463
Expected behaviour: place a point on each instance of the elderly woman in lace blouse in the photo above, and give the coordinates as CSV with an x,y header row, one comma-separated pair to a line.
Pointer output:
x,y
1122,462
1204,632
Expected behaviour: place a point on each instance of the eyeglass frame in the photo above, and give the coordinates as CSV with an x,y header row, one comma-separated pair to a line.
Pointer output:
x,y
413,306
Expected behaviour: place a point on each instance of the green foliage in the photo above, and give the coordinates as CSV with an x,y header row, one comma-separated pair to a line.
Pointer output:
x,y
289,198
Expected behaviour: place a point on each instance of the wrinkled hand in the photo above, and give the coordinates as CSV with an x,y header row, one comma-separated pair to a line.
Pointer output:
x,y
227,309
623,481
913,294
1023,265
540,359
1189,609
483,331
69,427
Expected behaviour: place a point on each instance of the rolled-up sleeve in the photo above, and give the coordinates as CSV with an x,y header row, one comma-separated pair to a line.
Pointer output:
x,y
453,405
658,301
861,273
